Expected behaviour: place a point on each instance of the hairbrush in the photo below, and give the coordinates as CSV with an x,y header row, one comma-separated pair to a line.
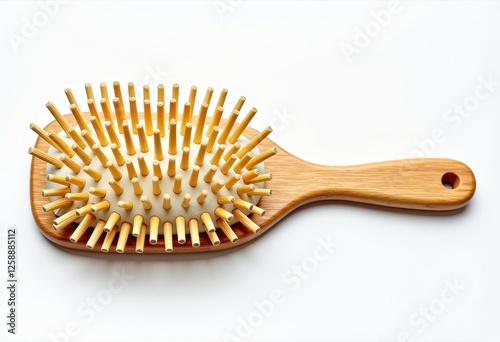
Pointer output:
x,y
169,179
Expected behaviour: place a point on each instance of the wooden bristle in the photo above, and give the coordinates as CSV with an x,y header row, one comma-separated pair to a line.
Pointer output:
x,y
227,230
77,196
227,127
134,115
59,203
241,190
131,89
194,233
254,142
45,157
172,138
137,186
156,186
44,135
98,192
177,187
202,197
117,188
217,155
113,169
230,182
215,120
240,165
217,186
120,160
84,157
70,164
207,221
171,167
200,157
141,238
123,237
86,209
158,146
96,234
127,205
214,239
192,99
228,164
258,211
57,179
82,227
77,181
224,214
246,221
260,192
143,143
175,92
106,111
77,138
242,204
242,126
157,169
88,139
160,118
100,155
130,169
96,123
146,203
186,200
71,97
225,199
55,192
88,91
212,138
100,206
172,112
129,143
167,234
261,157
167,204
146,93
104,91
185,159
222,98
154,225
63,146
161,93
119,112
186,141
148,117
112,134
77,114
193,179
200,123
180,226
59,118
210,174
261,178
137,224
247,176
108,239
143,167
186,118
232,150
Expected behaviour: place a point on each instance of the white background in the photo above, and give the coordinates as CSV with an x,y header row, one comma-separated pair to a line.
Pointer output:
x,y
286,58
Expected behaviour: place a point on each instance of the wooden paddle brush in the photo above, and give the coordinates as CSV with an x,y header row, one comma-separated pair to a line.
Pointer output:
x,y
164,180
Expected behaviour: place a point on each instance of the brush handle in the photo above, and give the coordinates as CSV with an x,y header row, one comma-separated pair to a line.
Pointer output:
x,y
425,184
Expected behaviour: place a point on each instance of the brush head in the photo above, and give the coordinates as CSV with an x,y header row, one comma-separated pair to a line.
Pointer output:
x,y
157,174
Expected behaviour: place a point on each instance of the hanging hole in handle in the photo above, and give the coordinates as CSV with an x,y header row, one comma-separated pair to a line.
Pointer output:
x,y
450,180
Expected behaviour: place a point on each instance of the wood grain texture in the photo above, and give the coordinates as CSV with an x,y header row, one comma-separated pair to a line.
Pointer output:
x,y
411,184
